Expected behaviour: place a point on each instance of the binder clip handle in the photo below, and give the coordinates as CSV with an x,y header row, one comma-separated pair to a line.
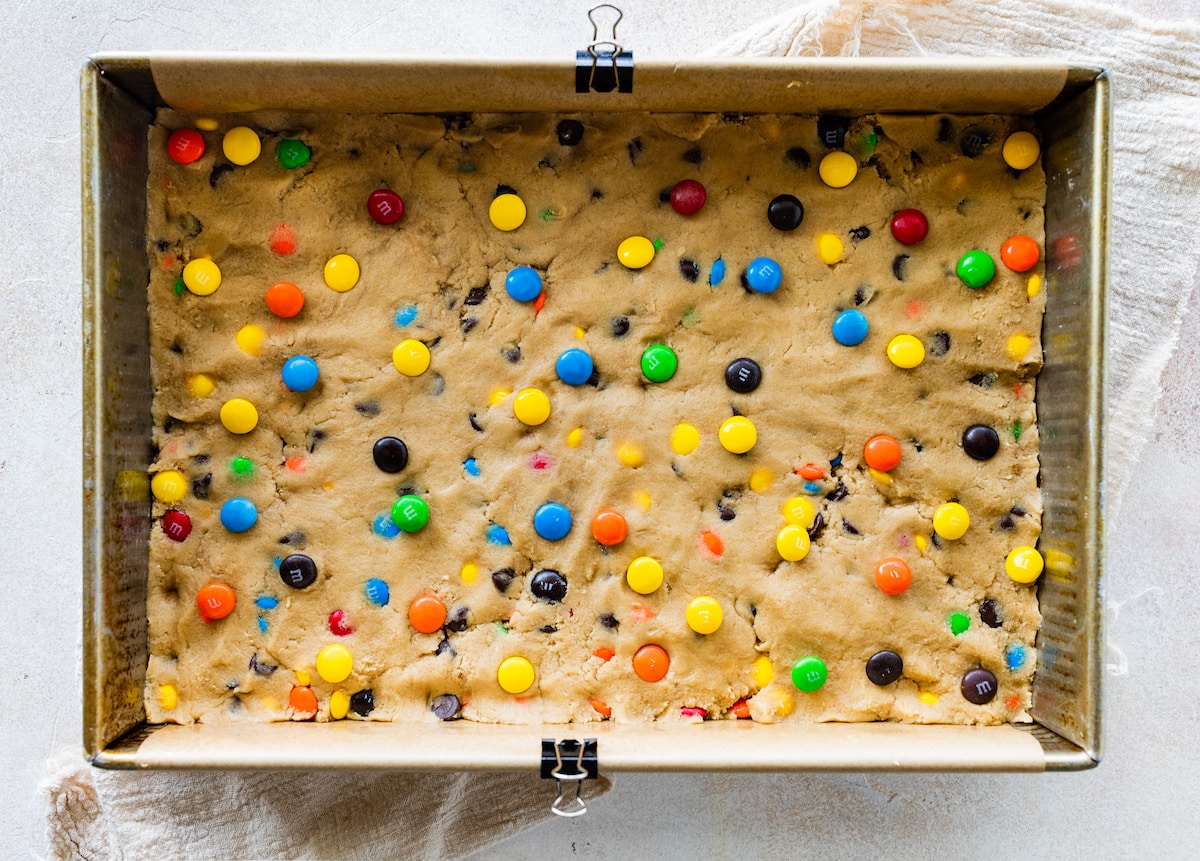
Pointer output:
x,y
604,65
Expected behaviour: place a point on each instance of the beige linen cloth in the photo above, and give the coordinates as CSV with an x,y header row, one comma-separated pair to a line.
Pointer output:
x,y
1156,203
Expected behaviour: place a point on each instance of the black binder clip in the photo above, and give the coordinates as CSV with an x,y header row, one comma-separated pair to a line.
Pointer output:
x,y
572,761
604,66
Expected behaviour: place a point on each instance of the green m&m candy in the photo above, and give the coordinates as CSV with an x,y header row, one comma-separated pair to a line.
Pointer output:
x,y
976,268
410,512
659,363
809,674
292,153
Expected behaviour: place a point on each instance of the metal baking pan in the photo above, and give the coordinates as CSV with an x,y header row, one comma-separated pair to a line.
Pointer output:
x,y
1070,105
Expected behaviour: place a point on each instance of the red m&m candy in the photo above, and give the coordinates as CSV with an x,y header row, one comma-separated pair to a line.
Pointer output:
x,y
176,525
909,226
185,146
385,206
688,197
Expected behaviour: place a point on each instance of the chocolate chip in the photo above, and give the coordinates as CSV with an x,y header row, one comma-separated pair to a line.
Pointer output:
x,y
989,613
597,194
444,647
1008,524
980,442
694,156
218,172
511,353
984,381
476,296
849,527
858,234
860,296
390,454
295,538
593,379
1017,510
201,486
362,703
689,270
743,375
838,493
799,156
437,385
900,266
315,438
548,629
664,196
261,668
201,459
979,686
548,585
939,344
445,706
469,323
884,667
635,149
832,131
475,422
368,408
298,571
818,527
504,189
727,514
620,327
609,621
945,132
973,142
162,245
503,578
457,621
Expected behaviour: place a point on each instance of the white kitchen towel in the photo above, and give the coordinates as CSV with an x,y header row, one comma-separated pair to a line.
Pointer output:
x,y
1156,205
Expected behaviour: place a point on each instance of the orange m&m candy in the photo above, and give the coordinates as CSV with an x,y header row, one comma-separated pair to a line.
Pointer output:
x,y
609,527
427,613
284,299
651,663
303,702
1020,253
882,452
215,601
893,576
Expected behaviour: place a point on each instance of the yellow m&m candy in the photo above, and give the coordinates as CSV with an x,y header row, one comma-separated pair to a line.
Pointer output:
x,y
951,521
905,351
241,145
339,705
201,385
1021,150
341,272
531,407
838,169
704,614
411,358
738,435
168,697
644,575
250,339
168,486
239,416
798,511
507,212
1024,564
685,438
830,248
516,675
334,663
635,252
792,542
201,276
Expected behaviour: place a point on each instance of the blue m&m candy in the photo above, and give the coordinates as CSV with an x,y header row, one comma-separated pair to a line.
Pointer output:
x,y
300,373
377,591
764,275
552,521
523,284
574,367
238,514
850,327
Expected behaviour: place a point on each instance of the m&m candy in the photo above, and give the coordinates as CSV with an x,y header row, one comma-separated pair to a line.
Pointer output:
x,y
737,434
644,575
704,614
1021,150
609,527
334,663
298,571
285,299
574,367
239,416
300,373
685,438
241,145
548,585
507,212
1020,253
390,454
659,363
303,702
410,512
838,169
515,675
238,514
169,486
976,268
411,357
523,283
1024,564
830,248
809,674
651,663
292,153
884,667
980,442
763,275
215,601
798,511
979,686
785,212
792,543
377,592
201,276
635,252
743,375
176,525
951,521
427,614
185,146
688,197
569,132
341,273
882,452
905,351
552,521
385,206
893,576
909,226
850,327
531,407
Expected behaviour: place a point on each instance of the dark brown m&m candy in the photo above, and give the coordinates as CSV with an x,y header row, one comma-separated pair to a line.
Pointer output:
x,y
979,686
909,226
390,453
548,585
743,375
688,197
785,212
570,132
884,667
298,571
980,442
362,703
385,206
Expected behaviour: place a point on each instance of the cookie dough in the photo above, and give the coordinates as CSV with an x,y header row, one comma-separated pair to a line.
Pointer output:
x,y
342,603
